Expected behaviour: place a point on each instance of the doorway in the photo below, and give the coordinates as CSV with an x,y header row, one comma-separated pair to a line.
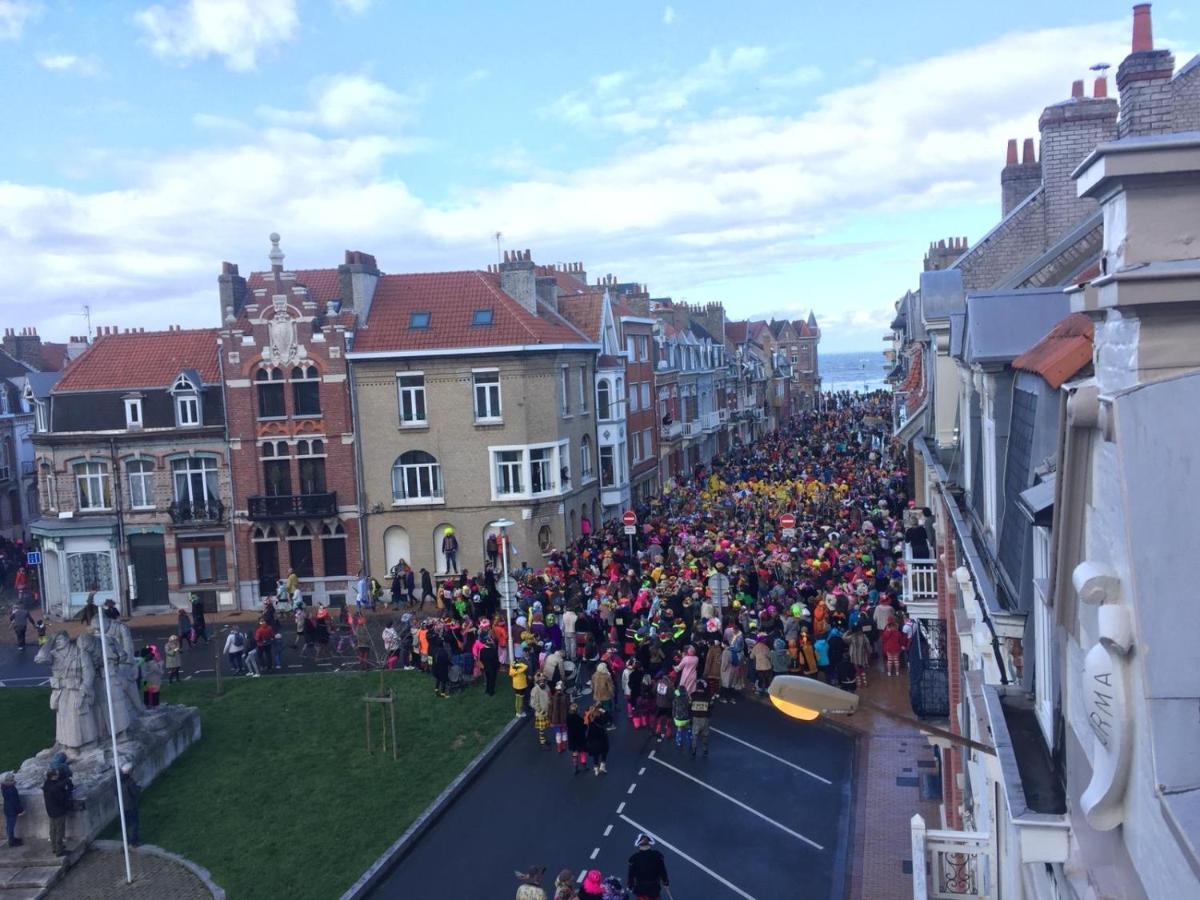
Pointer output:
x,y
148,554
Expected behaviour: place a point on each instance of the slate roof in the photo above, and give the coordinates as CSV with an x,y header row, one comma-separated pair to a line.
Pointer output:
x,y
11,367
1061,353
1003,325
451,299
142,359
941,294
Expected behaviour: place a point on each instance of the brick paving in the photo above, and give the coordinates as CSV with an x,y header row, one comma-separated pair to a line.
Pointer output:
x,y
101,873
887,793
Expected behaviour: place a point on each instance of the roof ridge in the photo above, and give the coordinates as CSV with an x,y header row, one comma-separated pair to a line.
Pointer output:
x,y
504,297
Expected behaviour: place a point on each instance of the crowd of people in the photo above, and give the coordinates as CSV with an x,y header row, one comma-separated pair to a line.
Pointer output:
x,y
713,600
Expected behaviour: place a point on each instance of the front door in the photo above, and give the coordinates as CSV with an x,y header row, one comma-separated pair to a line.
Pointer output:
x,y
149,558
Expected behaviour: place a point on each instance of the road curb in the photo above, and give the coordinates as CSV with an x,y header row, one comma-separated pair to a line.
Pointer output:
x,y
422,823
151,850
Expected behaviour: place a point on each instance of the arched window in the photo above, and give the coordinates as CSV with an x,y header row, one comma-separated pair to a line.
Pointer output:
x,y
139,474
312,466
93,486
269,385
306,391
585,458
603,399
266,558
333,548
300,550
416,478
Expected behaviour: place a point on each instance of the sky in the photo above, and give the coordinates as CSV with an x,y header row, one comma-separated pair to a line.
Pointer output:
x,y
775,156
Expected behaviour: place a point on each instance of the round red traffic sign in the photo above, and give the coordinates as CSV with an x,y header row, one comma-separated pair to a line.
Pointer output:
x,y
787,520
629,517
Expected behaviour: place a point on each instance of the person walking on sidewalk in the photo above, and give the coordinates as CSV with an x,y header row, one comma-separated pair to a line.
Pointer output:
x,y
183,627
13,808
235,650
891,642
56,793
131,791
647,870
198,620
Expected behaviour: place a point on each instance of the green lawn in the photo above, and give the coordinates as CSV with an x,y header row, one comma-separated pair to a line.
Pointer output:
x,y
26,724
279,797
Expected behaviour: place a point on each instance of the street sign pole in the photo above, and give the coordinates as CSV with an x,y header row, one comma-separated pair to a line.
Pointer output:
x,y
112,729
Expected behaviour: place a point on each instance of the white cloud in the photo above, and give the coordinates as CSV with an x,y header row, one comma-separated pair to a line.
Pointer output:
x,y
798,77
621,101
668,15
357,7
14,16
709,208
236,30
346,102
67,62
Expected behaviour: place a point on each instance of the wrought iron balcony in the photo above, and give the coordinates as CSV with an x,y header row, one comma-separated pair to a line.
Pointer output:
x,y
186,512
293,506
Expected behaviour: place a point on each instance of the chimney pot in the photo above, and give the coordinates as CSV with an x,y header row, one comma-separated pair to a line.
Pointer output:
x,y
1100,88
1143,33
1011,159
1077,89
1027,156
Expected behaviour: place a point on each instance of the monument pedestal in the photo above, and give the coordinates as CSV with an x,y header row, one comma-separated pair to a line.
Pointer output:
x,y
150,745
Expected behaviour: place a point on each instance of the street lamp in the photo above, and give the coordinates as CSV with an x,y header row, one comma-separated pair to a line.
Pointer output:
x,y
806,698
504,525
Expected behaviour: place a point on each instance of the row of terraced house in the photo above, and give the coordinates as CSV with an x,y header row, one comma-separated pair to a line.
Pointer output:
x,y
341,420
1046,386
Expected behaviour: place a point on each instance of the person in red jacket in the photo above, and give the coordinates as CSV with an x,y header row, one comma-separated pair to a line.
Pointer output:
x,y
892,643
263,635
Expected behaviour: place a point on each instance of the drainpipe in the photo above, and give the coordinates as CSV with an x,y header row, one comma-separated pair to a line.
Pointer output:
x,y
122,571
359,494
233,545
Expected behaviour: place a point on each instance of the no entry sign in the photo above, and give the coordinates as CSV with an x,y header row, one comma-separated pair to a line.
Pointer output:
x,y
629,517
787,520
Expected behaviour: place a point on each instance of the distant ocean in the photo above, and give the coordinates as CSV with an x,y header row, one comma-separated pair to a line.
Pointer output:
x,y
853,371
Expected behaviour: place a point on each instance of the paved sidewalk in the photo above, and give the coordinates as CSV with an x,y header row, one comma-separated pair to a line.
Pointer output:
x,y
101,873
892,760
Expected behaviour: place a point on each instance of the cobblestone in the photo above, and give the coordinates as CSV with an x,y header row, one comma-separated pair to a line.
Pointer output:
x,y
101,873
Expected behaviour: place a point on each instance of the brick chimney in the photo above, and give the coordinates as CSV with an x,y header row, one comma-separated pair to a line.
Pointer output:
x,y
1070,130
1018,179
358,277
1144,80
25,345
232,290
944,252
518,280
547,291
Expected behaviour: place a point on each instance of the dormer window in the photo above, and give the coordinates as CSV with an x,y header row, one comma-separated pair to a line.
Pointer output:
x,y
187,411
133,413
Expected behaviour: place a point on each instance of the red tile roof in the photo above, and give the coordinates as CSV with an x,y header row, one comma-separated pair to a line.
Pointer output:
x,y
801,328
452,298
1061,353
142,359
736,331
584,311
322,284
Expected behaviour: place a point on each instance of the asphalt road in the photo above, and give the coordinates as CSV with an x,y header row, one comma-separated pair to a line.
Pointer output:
x,y
765,816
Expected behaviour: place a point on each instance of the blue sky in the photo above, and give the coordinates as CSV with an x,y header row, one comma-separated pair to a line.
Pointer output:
x,y
775,156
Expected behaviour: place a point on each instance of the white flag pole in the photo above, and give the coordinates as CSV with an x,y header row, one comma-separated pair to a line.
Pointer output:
x,y
112,730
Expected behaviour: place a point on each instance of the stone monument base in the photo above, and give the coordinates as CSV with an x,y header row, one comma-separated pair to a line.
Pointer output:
x,y
150,745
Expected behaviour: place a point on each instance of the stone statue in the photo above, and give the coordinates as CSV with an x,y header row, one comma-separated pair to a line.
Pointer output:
x,y
72,691
282,331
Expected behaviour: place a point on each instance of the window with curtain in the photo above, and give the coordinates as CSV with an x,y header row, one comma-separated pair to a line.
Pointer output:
x,y
416,476
269,387
487,395
306,391
93,486
139,475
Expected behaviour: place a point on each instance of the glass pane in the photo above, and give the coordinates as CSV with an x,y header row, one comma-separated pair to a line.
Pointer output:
x,y
188,559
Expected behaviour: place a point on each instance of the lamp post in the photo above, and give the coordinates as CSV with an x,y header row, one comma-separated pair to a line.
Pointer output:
x,y
112,730
504,525
805,699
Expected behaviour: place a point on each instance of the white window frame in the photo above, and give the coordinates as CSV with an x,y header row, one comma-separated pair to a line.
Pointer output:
x,y
587,470
40,421
207,468
185,404
1043,637
989,471
645,391
559,457
133,413
583,393
630,348
146,480
414,392
492,392
564,390
636,447
433,475
100,480
548,472
633,397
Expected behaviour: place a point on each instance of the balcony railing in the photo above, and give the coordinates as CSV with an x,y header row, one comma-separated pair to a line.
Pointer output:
x,y
711,421
691,429
185,512
723,416
672,431
5,473
950,864
294,506
920,586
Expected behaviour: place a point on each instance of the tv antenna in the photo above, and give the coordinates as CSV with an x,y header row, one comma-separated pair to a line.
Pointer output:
x,y
497,236
87,315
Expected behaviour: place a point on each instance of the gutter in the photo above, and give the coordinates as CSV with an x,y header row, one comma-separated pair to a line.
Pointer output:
x,y
237,583
474,351
359,499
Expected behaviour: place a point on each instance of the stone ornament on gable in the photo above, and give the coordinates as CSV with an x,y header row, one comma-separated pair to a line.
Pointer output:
x,y
282,330
1106,695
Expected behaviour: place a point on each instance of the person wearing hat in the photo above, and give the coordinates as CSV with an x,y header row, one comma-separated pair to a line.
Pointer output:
x,y
13,808
564,886
131,791
647,870
539,700
56,794
531,884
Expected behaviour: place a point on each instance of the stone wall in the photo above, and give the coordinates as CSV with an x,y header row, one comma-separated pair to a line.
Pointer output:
x,y
1006,246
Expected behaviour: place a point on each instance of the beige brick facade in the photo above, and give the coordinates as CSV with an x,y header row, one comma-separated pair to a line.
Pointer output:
x,y
531,415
